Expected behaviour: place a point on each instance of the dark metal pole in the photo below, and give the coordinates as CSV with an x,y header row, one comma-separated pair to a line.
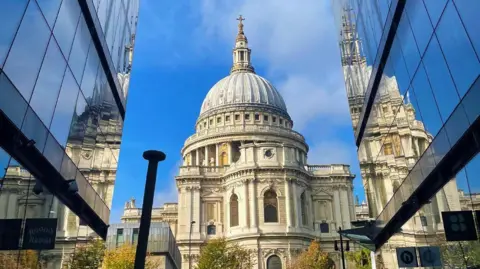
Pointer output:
x,y
153,157
190,246
341,247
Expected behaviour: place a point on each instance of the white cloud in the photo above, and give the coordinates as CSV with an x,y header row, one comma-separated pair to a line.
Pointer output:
x,y
296,41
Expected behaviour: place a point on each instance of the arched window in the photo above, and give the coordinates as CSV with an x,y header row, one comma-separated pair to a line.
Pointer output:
x,y
303,204
274,262
233,210
270,206
211,229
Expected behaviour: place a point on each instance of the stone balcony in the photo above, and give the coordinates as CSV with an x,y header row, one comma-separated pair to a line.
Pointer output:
x,y
242,129
329,170
208,171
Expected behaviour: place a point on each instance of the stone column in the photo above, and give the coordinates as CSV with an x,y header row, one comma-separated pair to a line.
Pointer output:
x,y
253,205
226,215
216,155
207,161
295,203
196,207
345,207
337,209
308,199
245,204
197,157
287,203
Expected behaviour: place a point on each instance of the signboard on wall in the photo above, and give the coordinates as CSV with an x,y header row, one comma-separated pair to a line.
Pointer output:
x,y
430,257
10,231
407,257
40,234
459,226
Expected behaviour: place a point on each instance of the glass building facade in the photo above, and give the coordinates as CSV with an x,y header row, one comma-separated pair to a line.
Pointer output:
x,y
64,74
162,248
411,71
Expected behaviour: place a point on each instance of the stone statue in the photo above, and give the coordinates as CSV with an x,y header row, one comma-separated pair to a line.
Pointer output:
x,y
212,161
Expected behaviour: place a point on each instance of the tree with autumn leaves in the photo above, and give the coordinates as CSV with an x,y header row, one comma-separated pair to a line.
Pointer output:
x,y
23,259
312,258
94,255
220,254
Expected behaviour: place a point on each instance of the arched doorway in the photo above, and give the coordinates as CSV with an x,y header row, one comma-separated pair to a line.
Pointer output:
x,y
274,262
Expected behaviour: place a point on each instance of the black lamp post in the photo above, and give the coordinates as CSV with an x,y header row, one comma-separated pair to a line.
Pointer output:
x,y
190,246
153,157
342,250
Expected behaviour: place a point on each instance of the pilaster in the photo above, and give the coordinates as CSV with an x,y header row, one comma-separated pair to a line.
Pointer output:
x,y
287,204
253,205
337,209
295,205
216,155
245,205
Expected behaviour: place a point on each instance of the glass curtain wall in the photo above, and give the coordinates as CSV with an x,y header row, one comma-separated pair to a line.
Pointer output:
x,y
425,101
56,89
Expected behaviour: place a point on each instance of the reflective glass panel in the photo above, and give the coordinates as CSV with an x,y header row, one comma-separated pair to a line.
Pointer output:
x,y
78,55
48,84
435,9
66,24
62,117
426,101
458,50
34,129
468,11
422,29
28,49
11,101
409,47
10,15
54,152
50,10
90,73
442,85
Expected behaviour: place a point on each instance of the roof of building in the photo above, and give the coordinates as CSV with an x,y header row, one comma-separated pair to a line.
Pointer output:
x,y
243,87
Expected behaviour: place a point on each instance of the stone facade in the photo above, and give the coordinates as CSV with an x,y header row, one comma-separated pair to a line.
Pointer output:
x,y
245,175
167,213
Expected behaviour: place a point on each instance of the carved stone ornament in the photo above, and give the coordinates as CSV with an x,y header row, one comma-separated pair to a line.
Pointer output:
x,y
268,153
87,154
273,251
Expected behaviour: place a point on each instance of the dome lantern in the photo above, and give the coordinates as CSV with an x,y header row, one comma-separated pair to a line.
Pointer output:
x,y
241,52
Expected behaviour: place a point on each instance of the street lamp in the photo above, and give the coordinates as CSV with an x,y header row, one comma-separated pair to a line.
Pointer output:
x,y
190,246
153,157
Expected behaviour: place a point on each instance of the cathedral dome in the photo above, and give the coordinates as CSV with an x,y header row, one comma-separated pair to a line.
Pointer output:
x,y
243,88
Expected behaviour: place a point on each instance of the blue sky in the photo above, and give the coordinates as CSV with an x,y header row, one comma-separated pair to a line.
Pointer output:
x,y
184,47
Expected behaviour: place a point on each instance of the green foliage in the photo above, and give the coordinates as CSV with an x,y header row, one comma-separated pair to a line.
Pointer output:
x,y
313,258
89,256
460,254
220,254
361,258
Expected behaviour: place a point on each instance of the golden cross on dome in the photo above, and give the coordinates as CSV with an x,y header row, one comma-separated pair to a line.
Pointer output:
x,y
240,24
